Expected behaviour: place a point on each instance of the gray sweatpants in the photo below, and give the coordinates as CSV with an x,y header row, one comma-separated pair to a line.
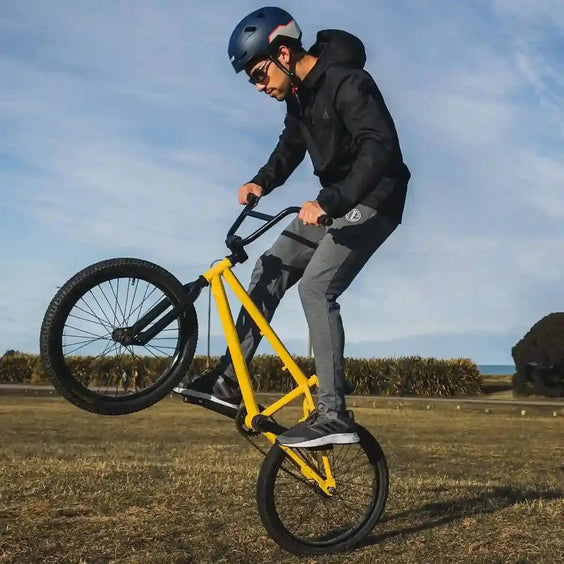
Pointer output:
x,y
326,260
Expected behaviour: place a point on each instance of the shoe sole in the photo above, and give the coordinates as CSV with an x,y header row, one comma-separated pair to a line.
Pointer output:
x,y
208,401
337,439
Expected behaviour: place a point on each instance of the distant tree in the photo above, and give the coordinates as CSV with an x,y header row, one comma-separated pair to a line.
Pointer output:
x,y
539,358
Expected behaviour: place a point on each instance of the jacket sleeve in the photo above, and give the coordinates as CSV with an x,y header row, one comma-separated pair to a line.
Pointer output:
x,y
288,154
361,107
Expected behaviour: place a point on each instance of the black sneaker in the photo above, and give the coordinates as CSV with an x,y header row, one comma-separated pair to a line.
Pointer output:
x,y
322,427
213,391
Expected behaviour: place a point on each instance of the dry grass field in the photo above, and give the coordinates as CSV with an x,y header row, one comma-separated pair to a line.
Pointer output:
x,y
176,484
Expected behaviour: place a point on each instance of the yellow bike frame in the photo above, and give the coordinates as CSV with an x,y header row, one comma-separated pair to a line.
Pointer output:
x,y
215,276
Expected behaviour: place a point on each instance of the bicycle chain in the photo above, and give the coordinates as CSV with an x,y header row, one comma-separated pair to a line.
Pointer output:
x,y
251,434
243,430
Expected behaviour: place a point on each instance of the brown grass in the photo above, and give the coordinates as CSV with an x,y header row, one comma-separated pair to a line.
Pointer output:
x,y
177,484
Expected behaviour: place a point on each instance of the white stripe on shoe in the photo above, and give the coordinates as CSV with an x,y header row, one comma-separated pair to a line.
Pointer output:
x,y
201,395
335,439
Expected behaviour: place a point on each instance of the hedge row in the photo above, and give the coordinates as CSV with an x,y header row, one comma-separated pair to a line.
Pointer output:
x,y
413,376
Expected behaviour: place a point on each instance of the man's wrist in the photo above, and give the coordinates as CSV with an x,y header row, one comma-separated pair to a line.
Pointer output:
x,y
259,182
328,201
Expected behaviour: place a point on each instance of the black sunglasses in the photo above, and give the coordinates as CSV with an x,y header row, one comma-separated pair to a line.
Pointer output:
x,y
260,74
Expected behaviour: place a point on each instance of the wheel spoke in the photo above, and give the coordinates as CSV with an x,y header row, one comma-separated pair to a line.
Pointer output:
x,y
70,353
356,484
314,518
101,290
87,332
97,322
99,368
109,326
160,346
118,305
125,306
105,351
136,283
145,298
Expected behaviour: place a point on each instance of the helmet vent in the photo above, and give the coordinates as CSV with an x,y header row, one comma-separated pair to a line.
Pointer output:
x,y
250,28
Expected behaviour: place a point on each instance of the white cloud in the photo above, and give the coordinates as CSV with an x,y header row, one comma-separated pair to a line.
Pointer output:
x,y
541,183
533,13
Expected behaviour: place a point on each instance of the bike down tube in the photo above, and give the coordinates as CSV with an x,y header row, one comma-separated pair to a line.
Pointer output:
x,y
266,330
233,344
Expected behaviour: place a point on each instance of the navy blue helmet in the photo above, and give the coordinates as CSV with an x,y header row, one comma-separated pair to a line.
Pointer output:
x,y
260,33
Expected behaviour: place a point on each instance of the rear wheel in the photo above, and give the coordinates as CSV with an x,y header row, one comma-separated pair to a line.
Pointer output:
x,y
302,519
82,353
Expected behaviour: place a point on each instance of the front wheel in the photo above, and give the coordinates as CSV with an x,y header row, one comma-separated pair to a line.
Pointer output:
x,y
80,349
302,519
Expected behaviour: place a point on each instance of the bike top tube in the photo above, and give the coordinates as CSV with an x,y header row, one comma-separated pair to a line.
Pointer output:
x,y
271,221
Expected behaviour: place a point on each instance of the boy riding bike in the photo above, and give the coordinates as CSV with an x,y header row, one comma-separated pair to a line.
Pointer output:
x,y
336,113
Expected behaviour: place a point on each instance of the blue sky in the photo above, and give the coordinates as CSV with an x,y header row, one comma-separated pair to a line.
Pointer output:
x,y
126,133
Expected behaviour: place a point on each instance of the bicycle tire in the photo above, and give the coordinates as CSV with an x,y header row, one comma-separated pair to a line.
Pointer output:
x,y
329,541
74,383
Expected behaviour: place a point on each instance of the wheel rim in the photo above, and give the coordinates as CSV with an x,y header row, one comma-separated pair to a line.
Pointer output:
x,y
315,519
98,364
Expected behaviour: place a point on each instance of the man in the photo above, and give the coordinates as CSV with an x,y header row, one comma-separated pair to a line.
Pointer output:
x,y
336,113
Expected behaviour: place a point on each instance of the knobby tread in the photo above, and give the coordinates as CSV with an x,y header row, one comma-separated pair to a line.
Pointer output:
x,y
276,529
59,308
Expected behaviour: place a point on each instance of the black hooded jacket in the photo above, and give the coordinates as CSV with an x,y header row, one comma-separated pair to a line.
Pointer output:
x,y
339,117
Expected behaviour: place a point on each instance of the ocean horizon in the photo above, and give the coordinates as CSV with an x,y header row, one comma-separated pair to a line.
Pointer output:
x,y
495,369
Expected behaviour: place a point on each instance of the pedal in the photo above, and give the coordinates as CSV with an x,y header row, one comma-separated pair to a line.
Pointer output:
x,y
240,421
265,424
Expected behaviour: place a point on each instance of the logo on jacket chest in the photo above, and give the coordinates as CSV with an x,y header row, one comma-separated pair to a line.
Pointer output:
x,y
320,117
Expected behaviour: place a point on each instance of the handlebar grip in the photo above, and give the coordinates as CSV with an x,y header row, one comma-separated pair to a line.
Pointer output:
x,y
252,200
325,220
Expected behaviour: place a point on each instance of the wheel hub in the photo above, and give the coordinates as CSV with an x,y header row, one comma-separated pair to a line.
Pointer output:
x,y
123,336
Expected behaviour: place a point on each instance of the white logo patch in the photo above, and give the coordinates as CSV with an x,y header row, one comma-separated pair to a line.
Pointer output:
x,y
353,216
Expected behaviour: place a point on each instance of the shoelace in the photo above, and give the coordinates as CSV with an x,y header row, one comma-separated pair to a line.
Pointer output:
x,y
312,417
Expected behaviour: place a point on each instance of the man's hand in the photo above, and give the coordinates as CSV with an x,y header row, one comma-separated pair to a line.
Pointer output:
x,y
311,212
246,189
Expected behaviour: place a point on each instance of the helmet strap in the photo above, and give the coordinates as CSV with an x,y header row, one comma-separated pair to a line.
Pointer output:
x,y
295,82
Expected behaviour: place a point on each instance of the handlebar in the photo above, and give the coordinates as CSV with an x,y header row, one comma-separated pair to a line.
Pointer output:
x,y
253,200
233,240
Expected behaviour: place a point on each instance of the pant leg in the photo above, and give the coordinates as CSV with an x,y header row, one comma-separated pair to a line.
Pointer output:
x,y
340,256
276,271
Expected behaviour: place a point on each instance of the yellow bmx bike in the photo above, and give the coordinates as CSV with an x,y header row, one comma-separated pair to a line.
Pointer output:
x,y
121,334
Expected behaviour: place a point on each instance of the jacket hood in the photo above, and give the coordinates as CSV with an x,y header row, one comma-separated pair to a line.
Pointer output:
x,y
334,47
